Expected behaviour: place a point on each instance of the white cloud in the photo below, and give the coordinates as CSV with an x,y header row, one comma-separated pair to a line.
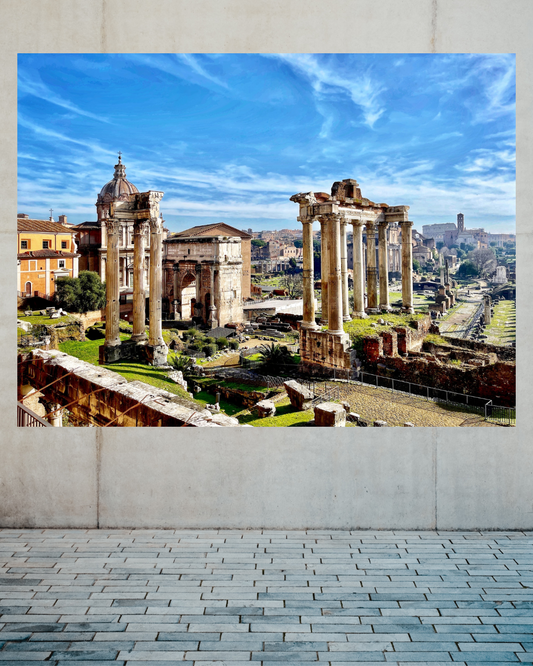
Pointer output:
x,y
34,86
361,89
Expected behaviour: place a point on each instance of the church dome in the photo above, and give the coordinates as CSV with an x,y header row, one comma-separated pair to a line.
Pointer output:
x,y
119,187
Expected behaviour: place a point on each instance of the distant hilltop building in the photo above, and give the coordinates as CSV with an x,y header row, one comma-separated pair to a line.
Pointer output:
x,y
450,234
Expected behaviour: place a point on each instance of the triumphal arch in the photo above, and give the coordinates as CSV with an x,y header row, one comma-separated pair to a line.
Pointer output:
x,y
203,278
345,205
119,205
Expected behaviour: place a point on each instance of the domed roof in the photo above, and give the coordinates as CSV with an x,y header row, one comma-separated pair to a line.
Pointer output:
x,y
119,187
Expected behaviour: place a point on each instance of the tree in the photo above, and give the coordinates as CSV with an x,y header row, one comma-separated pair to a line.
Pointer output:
x,y
298,242
257,242
294,284
416,265
82,294
484,260
467,269
460,253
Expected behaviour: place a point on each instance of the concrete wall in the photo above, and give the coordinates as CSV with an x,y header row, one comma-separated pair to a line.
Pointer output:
x,y
358,478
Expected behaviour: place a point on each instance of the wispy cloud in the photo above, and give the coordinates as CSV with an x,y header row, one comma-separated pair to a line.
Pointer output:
x,y
33,85
183,66
325,80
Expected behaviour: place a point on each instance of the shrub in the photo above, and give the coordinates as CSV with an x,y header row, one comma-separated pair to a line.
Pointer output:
x,y
210,350
181,363
234,344
198,345
192,332
222,343
210,341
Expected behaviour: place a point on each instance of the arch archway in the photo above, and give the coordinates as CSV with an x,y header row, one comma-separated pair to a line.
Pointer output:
x,y
28,289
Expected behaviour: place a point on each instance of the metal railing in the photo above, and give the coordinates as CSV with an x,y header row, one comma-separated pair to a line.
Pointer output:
x,y
28,419
468,403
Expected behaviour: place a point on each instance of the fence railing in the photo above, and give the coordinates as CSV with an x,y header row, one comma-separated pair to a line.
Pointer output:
x,y
469,403
28,419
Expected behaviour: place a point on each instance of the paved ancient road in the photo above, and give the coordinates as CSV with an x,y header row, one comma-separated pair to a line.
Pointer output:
x,y
457,323
149,597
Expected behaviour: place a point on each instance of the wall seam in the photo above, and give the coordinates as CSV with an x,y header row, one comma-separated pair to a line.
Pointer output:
x,y
99,439
433,40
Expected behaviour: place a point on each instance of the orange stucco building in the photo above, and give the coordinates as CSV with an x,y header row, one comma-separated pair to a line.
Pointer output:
x,y
46,251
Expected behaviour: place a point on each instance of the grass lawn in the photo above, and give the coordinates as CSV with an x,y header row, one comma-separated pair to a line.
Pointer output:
x,y
88,351
39,319
286,417
502,328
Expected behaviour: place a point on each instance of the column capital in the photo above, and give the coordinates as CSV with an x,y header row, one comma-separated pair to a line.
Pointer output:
x,y
176,268
357,223
383,224
140,227
370,224
406,223
156,225
113,226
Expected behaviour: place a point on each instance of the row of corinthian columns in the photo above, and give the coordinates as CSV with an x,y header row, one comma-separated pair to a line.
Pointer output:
x,y
334,274
141,228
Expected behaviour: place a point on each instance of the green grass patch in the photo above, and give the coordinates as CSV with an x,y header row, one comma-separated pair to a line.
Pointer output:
x,y
40,319
86,350
436,339
286,417
149,375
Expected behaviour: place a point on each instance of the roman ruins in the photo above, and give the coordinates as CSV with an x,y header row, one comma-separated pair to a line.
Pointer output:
x,y
203,278
345,205
120,204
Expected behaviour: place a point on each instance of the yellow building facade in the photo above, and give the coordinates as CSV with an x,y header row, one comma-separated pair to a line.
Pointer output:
x,y
46,251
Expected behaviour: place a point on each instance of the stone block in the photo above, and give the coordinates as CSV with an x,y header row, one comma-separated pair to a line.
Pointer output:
x,y
408,425
299,396
352,417
330,415
264,408
380,424
346,406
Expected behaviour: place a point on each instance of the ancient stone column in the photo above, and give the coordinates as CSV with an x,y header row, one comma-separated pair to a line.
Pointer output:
x,y
371,269
407,266
344,272
140,231
487,313
156,282
383,252
358,271
112,308
308,277
335,277
177,292
324,270
213,322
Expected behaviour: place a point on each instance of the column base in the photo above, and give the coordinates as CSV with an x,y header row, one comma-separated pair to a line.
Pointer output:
x,y
359,315
139,337
109,354
385,308
408,310
372,311
346,318
309,325
156,354
338,332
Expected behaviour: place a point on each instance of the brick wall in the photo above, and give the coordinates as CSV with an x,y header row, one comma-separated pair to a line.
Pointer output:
x,y
496,381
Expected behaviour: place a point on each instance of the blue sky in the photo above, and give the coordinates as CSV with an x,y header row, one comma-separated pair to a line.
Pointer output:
x,y
232,137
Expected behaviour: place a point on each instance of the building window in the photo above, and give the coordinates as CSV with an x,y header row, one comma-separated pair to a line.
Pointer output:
x,y
24,245
61,263
63,245
46,245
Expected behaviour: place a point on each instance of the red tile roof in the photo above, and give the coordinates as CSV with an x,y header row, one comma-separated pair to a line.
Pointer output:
x,y
25,225
46,254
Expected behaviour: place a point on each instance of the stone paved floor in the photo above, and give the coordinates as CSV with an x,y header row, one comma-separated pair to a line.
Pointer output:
x,y
223,597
